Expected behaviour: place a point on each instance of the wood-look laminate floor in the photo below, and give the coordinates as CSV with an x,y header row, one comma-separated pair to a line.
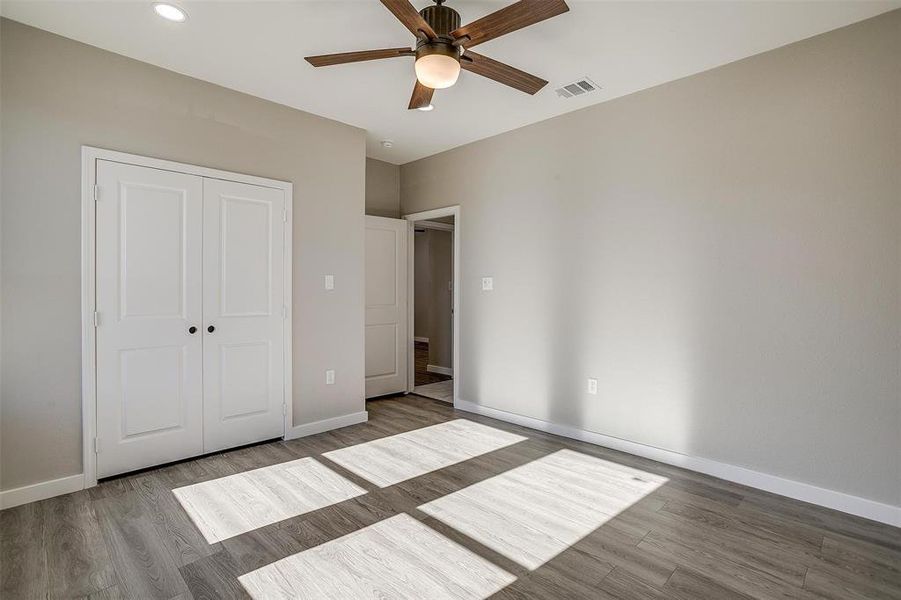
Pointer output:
x,y
440,390
499,517
422,375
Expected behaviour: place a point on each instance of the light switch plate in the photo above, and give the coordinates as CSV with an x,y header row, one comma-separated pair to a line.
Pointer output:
x,y
487,284
592,386
330,377
329,282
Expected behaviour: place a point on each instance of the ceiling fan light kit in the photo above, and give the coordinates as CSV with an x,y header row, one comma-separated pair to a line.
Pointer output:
x,y
437,63
437,66
442,45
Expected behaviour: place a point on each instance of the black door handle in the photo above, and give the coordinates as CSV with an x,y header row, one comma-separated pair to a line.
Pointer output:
x,y
211,329
192,330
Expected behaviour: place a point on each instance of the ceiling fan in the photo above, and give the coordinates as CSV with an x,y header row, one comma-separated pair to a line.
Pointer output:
x,y
443,46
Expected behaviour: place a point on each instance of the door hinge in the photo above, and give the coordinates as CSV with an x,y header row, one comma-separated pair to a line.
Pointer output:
x,y
96,193
285,215
284,311
284,409
96,318
96,445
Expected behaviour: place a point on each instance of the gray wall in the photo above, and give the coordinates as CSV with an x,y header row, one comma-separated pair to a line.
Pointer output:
x,y
382,189
57,95
722,252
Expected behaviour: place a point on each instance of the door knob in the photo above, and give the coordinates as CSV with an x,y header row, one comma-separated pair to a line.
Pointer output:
x,y
211,329
192,330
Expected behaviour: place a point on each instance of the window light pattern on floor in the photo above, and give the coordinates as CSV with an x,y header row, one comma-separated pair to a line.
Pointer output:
x,y
532,513
397,558
396,458
232,505
440,390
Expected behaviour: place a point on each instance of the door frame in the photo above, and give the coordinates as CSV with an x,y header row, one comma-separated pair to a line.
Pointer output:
x,y
89,157
448,211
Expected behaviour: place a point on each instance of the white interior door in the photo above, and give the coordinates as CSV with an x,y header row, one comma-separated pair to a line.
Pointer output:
x,y
148,265
244,313
386,306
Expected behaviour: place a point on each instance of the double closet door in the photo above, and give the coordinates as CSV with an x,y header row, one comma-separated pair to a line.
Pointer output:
x,y
190,322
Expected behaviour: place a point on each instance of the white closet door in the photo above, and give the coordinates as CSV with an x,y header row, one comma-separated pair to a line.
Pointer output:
x,y
386,306
149,386
243,282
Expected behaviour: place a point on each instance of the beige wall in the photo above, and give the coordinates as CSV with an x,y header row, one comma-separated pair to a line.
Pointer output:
x,y
57,95
722,252
382,189
441,271
422,285
433,268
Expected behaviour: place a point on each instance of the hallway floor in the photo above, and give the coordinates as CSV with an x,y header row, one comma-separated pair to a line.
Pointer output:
x,y
442,390
431,385
422,375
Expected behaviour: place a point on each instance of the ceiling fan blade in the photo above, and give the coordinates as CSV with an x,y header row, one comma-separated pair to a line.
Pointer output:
x,y
324,60
498,71
422,96
412,20
513,17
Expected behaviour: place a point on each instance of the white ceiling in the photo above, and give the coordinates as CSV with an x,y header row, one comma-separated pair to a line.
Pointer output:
x,y
258,48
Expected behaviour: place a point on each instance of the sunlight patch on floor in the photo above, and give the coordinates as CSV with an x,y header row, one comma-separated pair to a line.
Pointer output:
x,y
395,558
441,390
532,513
396,458
232,505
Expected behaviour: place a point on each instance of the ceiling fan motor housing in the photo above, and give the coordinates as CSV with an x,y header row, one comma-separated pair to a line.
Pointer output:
x,y
443,21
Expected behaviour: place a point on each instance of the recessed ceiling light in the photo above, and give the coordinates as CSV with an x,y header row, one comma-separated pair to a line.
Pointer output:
x,y
426,108
387,144
170,12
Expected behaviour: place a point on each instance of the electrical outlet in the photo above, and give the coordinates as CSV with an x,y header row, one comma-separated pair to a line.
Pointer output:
x,y
329,282
592,386
487,284
330,377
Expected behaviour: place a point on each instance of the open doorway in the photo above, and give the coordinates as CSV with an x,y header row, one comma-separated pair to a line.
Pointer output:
x,y
433,308
433,272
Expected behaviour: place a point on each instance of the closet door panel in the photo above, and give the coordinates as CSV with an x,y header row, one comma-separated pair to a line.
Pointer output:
x,y
148,266
243,280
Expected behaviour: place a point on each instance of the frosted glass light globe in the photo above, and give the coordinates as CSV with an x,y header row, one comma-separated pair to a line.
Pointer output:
x,y
437,71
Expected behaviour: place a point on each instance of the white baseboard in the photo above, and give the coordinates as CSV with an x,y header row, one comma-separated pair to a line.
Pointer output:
x,y
73,483
41,491
869,509
439,370
326,425
421,339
